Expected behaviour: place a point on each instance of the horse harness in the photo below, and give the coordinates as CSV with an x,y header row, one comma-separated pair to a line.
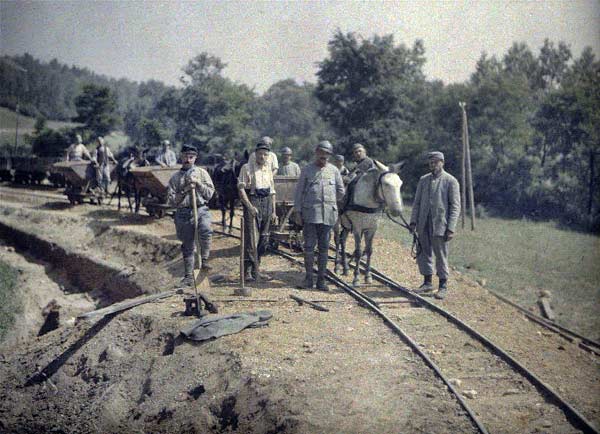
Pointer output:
x,y
351,206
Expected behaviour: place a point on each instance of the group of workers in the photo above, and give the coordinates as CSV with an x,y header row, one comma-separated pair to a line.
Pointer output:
x,y
320,188
103,156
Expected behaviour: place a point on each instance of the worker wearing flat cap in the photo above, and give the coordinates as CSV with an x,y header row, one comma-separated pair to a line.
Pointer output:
x,y
318,191
256,188
288,167
434,216
191,178
271,156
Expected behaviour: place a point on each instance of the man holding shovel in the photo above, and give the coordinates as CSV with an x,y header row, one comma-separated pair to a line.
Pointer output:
x,y
191,178
257,192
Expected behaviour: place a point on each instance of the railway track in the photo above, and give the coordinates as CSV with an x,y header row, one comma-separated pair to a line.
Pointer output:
x,y
489,383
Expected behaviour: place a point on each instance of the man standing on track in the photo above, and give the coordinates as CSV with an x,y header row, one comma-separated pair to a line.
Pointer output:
x,y
191,178
256,188
434,216
318,191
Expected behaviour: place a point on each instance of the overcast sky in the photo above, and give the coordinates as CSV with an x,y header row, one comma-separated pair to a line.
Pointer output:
x,y
263,42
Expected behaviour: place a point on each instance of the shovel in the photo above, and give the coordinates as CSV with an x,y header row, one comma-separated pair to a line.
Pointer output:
x,y
199,276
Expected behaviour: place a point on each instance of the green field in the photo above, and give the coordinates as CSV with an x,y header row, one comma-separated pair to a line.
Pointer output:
x,y
9,302
116,140
518,258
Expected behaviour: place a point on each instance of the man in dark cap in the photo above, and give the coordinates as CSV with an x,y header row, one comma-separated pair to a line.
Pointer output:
x,y
191,178
434,216
338,161
288,167
256,188
271,156
318,190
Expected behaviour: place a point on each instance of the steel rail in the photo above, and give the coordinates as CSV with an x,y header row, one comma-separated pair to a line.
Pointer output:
x,y
372,305
584,343
573,415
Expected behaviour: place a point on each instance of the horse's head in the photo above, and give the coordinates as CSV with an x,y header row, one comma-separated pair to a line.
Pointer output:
x,y
388,187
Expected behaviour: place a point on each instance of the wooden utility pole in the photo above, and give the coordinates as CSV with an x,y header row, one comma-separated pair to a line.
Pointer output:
x,y
467,162
463,179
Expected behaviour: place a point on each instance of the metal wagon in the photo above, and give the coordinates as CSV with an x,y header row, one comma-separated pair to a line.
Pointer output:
x,y
285,230
80,178
151,182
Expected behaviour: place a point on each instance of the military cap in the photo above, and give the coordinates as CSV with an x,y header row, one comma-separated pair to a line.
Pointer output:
x,y
325,146
357,146
339,158
286,151
188,149
435,155
263,145
266,140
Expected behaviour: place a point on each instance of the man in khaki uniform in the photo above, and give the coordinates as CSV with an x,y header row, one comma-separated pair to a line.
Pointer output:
x,y
318,191
434,216
288,167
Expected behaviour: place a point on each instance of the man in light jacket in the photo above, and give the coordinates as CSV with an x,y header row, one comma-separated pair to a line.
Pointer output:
x,y
434,216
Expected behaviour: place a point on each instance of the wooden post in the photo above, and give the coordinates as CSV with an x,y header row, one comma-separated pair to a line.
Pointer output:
x,y
463,179
469,171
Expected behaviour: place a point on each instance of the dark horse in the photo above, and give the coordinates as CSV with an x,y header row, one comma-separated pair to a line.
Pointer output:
x,y
225,178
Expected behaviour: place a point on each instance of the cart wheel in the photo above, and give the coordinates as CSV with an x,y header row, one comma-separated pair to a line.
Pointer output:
x,y
150,212
160,213
273,245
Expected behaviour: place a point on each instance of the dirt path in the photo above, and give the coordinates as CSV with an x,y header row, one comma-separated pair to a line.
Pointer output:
x,y
132,373
308,371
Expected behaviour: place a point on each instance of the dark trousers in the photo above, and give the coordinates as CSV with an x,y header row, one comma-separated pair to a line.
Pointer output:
x,y
263,225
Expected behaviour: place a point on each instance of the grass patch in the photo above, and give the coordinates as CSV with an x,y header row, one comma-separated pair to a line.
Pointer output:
x,y
10,304
518,258
8,119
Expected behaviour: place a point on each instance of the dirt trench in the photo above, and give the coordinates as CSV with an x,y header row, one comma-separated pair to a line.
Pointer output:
x,y
125,367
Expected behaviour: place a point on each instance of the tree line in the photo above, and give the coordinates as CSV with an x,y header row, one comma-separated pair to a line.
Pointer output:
x,y
533,117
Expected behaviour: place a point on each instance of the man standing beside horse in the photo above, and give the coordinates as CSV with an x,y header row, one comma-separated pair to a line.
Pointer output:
x,y
434,216
318,191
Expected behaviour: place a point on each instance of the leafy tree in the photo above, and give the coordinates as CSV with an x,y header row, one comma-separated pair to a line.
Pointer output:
x,y
96,107
289,113
211,112
371,92
49,143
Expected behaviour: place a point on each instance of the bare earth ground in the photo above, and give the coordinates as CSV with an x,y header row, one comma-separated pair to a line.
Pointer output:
x,y
308,371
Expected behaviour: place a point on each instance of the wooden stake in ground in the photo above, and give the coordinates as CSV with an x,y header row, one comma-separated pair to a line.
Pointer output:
x,y
243,291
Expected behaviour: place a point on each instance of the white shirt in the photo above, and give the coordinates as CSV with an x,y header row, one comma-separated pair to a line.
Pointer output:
x,y
271,160
253,176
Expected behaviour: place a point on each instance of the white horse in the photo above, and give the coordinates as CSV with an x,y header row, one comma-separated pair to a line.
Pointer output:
x,y
375,191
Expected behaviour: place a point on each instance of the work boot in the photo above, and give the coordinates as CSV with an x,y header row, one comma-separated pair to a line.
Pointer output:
x,y
426,287
205,265
322,270
248,277
322,284
188,266
443,291
309,260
